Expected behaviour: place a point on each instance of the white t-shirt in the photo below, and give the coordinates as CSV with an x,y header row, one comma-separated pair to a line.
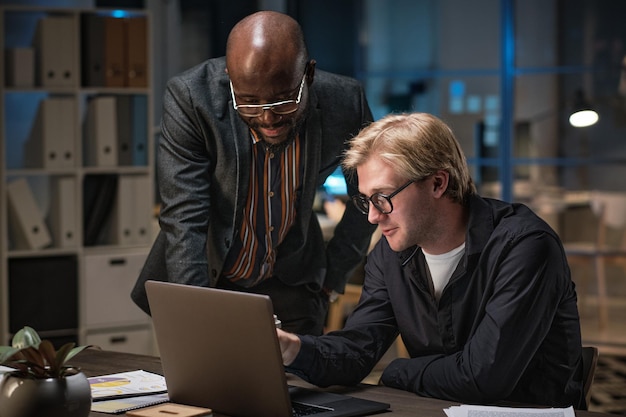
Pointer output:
x,y
442,266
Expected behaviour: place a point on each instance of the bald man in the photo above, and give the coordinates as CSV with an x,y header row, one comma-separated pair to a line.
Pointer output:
x,y
247,140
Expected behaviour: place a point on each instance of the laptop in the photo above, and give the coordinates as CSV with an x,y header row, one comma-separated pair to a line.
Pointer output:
x,y
219,350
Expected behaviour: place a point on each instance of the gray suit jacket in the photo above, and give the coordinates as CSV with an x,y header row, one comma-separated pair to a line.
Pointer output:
x,y
203,172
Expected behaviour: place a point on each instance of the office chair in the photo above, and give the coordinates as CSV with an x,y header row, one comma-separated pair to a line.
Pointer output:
x,y
609,245
590,360
342,306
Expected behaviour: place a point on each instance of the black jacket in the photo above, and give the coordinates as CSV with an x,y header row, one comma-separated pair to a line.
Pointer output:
x,y
506,326
203,167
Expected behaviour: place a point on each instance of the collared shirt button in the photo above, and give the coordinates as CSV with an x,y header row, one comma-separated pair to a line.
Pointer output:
x,y
271,228
271,193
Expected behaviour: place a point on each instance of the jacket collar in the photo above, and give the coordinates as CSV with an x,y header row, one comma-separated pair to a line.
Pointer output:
x,y
480,226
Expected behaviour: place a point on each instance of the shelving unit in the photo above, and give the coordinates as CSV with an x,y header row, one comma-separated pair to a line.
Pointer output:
x,y
76,152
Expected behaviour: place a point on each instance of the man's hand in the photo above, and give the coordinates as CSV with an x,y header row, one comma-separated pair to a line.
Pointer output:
x,y
289,346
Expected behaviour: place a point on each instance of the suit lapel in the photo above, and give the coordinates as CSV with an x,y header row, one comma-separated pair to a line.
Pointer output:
x,y
312,152
240,166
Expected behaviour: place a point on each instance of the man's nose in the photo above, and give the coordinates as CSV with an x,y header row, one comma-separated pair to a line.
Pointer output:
x,y
373,214
269,117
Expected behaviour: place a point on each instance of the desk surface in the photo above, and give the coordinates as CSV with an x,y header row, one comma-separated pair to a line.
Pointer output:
x,y
95,362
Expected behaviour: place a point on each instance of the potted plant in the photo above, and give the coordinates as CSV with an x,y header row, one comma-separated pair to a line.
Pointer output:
x,y
43,384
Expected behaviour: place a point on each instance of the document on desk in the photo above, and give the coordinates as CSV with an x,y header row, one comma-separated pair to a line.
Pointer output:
x,y
4,369
126,384
123,405
493,411
125,391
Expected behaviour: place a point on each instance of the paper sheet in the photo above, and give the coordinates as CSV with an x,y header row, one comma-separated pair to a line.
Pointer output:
x,y
126,384
492,411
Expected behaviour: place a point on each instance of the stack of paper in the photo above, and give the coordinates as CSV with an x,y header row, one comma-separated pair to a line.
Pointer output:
x,y
492,411
117,393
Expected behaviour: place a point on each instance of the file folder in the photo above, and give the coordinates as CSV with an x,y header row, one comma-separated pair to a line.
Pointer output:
x,y
136,52
52,143
63,215
140,130
103,49
131,216
56,52
121,226
92,57
142,209
132,130
101,132
114,56
124,130
26,222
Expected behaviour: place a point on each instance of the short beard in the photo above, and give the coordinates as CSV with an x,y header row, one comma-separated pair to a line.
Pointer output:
x,y
277,148
296,124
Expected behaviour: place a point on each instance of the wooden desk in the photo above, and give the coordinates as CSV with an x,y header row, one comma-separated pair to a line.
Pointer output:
x,y
95,362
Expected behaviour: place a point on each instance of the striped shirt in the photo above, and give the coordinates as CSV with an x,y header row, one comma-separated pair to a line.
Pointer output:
x,y
269,212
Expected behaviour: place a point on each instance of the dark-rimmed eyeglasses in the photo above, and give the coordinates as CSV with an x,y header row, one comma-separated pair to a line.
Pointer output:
x,y
279,107
381,201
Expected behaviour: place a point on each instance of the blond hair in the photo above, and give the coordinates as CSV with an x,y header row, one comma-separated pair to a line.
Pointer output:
x,y
416,145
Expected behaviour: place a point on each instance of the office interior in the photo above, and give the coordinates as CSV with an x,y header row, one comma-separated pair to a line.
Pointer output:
x,y
504,74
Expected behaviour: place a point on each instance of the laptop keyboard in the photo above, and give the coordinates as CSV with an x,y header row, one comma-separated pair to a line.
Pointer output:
x,y
302,409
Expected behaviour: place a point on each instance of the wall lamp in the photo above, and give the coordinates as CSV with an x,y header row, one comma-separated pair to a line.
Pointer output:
x,y
583,114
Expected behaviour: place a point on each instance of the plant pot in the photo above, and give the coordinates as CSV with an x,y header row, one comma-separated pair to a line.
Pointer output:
x,y
64,397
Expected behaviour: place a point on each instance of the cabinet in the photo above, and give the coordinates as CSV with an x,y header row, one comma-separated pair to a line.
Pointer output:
x,y
76,177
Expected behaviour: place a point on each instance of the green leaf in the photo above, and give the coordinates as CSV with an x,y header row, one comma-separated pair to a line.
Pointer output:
x,y
6,353
38,359
25,337
75,351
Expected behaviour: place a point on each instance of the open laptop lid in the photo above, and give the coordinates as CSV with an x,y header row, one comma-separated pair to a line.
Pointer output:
x,y
217,351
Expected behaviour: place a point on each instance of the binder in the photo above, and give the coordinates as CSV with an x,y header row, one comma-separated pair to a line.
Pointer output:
x,y
132,130
113,48
20,67
92,62
142,210
53,140
131,219
26,222
62,216
103,49
101,132
136,52
125,117
140,130
67,132
56,52
121,226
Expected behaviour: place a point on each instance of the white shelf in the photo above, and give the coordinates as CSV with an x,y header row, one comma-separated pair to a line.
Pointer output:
x,y
19,115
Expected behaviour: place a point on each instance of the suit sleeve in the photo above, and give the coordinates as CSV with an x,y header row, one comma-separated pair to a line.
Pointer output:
x,y
183,169
352,234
